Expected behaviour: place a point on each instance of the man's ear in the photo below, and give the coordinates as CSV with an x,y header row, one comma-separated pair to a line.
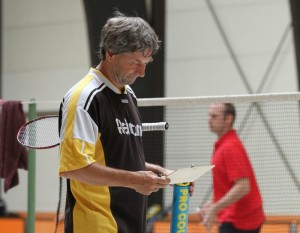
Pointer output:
x,y
229,119
108,55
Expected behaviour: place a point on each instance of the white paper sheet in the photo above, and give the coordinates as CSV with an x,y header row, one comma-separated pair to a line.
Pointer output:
x,y
191,174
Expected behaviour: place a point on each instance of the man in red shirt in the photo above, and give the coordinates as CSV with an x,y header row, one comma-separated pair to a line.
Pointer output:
x,y
236,201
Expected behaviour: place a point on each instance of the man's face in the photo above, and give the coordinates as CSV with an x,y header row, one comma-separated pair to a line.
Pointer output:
x,y
217,120
127,67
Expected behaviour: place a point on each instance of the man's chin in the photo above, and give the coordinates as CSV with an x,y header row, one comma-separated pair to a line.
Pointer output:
x,y
130,82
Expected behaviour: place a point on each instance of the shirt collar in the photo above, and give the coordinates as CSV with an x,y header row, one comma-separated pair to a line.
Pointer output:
x,y
107,82
228,134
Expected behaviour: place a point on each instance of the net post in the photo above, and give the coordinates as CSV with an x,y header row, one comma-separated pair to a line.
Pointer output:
x,y
30,226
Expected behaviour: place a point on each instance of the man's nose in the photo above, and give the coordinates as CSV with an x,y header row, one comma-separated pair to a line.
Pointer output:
x,y
141,70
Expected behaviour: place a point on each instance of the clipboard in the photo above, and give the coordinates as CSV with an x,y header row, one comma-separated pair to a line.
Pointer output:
x,y
191,174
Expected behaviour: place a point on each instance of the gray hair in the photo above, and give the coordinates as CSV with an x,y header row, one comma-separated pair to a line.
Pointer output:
x,y
123,34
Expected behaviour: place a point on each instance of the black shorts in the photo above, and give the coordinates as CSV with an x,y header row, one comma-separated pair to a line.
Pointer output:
x,y
227,227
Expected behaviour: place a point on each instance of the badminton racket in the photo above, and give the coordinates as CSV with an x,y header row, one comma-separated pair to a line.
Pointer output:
x,y
42,132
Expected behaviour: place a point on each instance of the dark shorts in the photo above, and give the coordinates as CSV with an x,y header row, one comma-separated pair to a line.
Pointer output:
x,y
227,227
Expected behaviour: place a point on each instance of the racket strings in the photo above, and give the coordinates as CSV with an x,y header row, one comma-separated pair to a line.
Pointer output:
x,y
40,133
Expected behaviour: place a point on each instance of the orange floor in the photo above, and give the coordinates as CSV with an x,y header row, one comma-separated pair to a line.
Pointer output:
x,y
273,224
45,223
164,227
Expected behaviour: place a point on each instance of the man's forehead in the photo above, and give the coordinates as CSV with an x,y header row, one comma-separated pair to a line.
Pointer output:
x,y
139,55
217,107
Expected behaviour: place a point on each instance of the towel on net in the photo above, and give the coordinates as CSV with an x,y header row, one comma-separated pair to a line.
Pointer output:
x,y
12,154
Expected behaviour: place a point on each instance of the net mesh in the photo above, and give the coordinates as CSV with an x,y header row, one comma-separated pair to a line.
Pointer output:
x,y
269,127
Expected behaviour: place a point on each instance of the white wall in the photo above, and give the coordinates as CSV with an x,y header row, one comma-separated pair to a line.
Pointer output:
x,y
45,48
198,62
45,51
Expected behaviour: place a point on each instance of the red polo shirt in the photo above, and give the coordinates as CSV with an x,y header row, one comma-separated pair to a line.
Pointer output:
x,y
232,163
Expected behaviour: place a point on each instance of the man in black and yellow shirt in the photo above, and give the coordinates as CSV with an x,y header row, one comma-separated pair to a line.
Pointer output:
x,y
101,151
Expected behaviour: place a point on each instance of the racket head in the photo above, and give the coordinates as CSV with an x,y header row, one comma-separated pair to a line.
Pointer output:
x,y
40,133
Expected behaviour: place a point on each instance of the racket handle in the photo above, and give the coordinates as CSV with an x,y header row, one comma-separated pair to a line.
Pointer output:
x,y
180,211
157,126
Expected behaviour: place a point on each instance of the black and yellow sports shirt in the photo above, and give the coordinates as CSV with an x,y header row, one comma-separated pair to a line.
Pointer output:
x,y
100,124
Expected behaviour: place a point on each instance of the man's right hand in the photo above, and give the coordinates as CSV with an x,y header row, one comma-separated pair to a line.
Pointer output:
x,y
149,182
